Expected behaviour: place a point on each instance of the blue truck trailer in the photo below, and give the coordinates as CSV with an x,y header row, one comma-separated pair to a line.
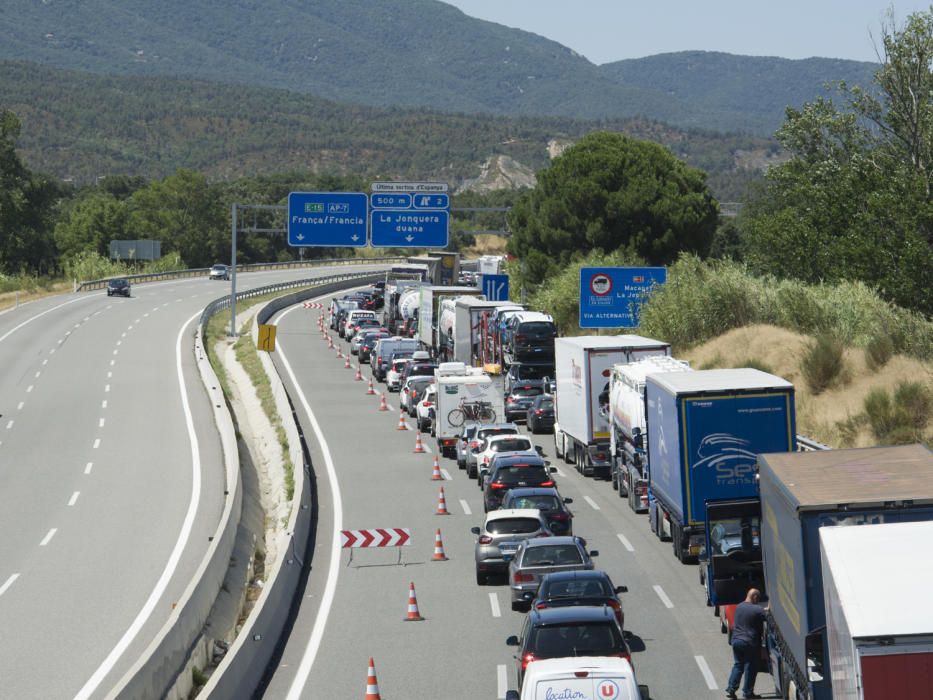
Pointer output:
x,y
705,431
800,494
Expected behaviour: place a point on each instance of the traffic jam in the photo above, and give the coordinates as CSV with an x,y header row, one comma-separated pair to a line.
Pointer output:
x,y
702,454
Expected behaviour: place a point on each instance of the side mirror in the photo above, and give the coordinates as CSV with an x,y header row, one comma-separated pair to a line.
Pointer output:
x,y
539,449
594,553
621,589
642,691
512,641
474,530
567,500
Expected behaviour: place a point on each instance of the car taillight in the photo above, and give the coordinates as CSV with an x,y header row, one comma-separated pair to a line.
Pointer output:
x,y
495,485
560,515
546,484
524,578
539,411
527,659
521,337
540,606
600,456
485,539
474,444
485,460
510,399
412,393
427,404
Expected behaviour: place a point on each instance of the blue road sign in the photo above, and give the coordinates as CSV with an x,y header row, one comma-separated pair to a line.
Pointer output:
x,y
611,297
495,287
410,219
333,219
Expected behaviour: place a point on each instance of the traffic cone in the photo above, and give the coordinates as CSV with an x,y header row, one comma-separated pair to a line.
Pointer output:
x,y
441,504
436,474
383,406
359,373
418,446
372,685
401,420
330,342
369,390
438,547
413,614
346,364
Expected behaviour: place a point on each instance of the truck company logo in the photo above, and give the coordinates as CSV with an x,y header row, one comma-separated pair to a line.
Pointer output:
x,y
728,456
564,694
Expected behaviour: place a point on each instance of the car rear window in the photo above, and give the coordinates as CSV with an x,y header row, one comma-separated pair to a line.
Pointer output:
x,y
511,445
546,403
527,391
513,526
527,473
552,555
537,329
585,588
582,639
421,370
539,502
489,432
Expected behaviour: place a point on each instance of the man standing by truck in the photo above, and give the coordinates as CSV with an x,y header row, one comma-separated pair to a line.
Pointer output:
x,y
746,644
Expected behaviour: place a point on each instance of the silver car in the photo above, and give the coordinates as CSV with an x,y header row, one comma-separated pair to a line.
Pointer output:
x,y
478,443
535,558
499,538
463,443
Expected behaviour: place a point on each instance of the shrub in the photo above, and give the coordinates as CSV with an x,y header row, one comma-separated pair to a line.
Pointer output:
x,y
823,363
756,364
902,419
915,402
878,351
879,410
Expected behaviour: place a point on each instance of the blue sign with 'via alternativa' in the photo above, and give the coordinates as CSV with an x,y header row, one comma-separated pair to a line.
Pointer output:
x,y
333,219
409,215
611,297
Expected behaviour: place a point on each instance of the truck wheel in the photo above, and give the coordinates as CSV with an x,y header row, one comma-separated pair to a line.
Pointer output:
x,y
558,444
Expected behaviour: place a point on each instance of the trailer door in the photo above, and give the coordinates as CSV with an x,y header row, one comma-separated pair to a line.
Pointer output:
x,y
733,549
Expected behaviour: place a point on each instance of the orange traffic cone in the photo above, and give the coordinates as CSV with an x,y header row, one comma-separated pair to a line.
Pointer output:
x,y
413,614
372,685
330,342
383,406
369,390
418,446
346,365
436,474
359,373
401,420
441,504
438,547
339,353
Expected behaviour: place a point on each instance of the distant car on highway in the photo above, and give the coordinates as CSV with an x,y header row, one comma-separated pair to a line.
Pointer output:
x,y
219,272
118,286
500,536
536,558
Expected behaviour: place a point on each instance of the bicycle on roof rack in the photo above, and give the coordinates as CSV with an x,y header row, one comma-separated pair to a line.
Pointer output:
x,y
473,411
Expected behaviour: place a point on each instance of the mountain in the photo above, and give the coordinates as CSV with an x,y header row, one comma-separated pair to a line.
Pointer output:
x,y
406,53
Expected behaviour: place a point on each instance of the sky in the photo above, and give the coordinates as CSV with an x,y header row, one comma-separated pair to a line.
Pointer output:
x,y
610,30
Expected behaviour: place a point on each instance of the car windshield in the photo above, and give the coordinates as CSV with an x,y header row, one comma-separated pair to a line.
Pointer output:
x,y
525,391
552,555
585,588
581,639
521,473
539,502
511,445
513,526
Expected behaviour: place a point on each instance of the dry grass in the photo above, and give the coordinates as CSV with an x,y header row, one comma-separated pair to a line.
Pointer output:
x,y
487,244
10,299
820,416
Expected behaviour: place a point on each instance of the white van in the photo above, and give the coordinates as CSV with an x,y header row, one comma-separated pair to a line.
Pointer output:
x,y
581,678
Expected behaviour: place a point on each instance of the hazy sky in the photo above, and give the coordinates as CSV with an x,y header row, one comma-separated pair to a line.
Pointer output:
x,y
609,30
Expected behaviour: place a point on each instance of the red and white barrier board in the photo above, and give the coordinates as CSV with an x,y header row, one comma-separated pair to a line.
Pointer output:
x,y
380,537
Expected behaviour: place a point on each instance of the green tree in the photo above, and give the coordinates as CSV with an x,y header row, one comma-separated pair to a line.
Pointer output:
x,y
611,192
92,222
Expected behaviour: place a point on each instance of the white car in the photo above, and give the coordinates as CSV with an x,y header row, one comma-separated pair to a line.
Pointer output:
x,y
426,406
497,444
412,392
219,272
394,375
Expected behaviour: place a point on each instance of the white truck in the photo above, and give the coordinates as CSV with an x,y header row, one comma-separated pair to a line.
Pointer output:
x,y
464,395
878,627
490,264
473,316
627,425
429,311
583,365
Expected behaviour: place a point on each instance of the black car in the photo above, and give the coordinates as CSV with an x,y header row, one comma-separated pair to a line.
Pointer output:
x,y
369,341
118,286
509,472
521,397
521,371
564,589
546,499
555,633
540,417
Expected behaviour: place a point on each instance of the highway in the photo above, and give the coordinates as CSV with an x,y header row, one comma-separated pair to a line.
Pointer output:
x,y
111,478
367,476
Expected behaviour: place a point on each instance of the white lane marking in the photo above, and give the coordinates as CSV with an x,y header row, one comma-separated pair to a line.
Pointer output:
x,y
106,388
123,335
330,587
101,423
446,475
113,362
663,596
494,605
119,342
145,315
90,687
74,498
502,681
88,467
61,340
87,318
136,321
9,425
96,443
19,406
466,507
52,351
9,582
38,374
707,673
115,352
109,375
40,315
29,389
103,404
559,473
48,537
45,362
625,543
592,503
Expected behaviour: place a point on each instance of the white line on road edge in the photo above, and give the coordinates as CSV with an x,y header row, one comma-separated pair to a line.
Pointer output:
x,y
90,687
333,571
9,582
663,596
466,507
707,673
88,467
74,498
96,443
494,605
48,537
591,502
446,475
502,680
33,318
625,543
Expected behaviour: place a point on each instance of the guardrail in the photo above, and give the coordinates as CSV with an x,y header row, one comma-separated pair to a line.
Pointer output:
x,y
805,444
154,674
90,285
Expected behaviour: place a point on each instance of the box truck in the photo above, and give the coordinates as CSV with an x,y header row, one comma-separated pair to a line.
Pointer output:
x,y
879,628
429,311
627,425
803,493
472,316
582,366
705,431
464,395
